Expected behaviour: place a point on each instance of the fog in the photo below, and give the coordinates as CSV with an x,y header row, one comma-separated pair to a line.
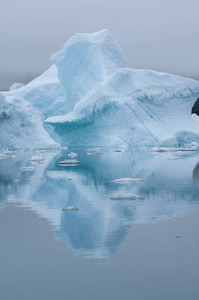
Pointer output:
x,y
156,34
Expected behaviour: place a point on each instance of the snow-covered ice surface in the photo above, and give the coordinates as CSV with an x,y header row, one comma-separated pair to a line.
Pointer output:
x,y
91,97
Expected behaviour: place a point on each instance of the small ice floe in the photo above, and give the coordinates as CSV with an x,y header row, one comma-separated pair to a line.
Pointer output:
x,y
127,180
94,153
175,158
127,197
70,208
16,180
37,158
72,155
69,162
63,148
27,168
93,149
121,150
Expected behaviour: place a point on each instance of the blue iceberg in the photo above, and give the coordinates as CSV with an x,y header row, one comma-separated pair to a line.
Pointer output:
x,y
91,97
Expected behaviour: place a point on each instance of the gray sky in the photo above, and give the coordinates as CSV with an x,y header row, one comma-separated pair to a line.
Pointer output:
x,y
154,34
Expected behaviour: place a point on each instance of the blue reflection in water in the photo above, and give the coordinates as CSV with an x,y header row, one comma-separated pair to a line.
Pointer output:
x,y
100,225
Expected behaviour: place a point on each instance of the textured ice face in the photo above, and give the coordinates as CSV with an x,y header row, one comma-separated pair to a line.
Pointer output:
x,y
45,93
85,60
133,107
21,125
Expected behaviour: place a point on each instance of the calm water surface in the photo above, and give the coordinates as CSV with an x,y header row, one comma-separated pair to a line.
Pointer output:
x,y
107,249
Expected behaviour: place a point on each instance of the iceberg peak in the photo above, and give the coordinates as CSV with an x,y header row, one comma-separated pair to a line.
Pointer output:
x,y
85,60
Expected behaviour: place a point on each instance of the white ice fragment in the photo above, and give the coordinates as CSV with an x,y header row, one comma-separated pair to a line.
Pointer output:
x,y
127,197
69,162
36,158
72,155
70,208
94,153
93,149
27,168
128,180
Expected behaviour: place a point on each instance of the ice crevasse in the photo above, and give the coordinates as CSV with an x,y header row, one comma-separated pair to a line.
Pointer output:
x,y
90,96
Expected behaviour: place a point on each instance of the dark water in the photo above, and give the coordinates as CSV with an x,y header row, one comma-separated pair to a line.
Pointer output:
x,y
107,249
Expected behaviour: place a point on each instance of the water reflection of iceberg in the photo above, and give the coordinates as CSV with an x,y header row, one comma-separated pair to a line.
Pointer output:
x,y
100,225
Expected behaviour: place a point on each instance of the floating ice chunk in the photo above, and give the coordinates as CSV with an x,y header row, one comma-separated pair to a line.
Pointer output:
x,y
127,197
72,155
93,149
16,86
38,158
91,97
69,162
94,153
127,180
27,168
70,208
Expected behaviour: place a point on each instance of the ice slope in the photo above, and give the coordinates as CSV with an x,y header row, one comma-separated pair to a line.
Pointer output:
x,y
44,92
133,107
21,125
85,60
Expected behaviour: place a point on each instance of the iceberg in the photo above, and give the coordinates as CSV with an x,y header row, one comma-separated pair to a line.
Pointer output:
x,y
90,97
21,125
